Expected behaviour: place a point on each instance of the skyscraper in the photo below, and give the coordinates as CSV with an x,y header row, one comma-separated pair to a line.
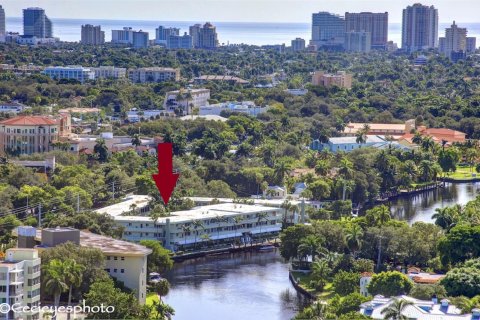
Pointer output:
x,y
419,28
207,36
140,39
2,24
194,31
92,35
454,45
374,23
162,34
36,23
358,41
328,30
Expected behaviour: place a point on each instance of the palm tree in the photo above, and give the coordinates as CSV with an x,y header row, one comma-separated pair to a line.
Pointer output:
x,y
54,280
163,310
262,216
309,246
426,171
428,144
236,222
136,140
443,218
354,238
161,288
395,309
288,206
384,215
73,277
417,138
322,167
220,220
186,230
197,224
320,272
346,168
281,169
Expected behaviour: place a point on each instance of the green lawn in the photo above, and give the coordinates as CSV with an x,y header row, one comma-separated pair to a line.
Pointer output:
x,y
151,298
304,281
463,173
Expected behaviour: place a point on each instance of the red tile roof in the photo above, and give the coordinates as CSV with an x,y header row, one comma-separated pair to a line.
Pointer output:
x,y
29,121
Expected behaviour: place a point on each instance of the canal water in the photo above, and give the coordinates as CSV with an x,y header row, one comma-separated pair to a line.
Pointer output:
x,y
421,207
237,286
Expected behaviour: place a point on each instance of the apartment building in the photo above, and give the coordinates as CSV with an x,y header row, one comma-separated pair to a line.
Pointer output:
x,y
298,44
153,74
340,79
32,134
224,222
179,42
125,261
92,35
419,28
162,33
358,41
328,30
454,44
368,22
20,281
36,23
109,72
78,73
184,101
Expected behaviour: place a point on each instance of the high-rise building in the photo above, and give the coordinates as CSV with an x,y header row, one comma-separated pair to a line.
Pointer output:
x,y
454,45
162,33
374,23
180,42
419,28
3,31
92,35
207,37
36,23
471,44
358,41
298,44
140,39
194,31
328,30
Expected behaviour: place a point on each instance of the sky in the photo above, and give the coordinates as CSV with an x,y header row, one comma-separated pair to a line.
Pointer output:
x,y
234,10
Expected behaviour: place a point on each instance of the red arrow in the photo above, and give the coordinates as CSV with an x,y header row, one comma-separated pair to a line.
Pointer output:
x,y
165,180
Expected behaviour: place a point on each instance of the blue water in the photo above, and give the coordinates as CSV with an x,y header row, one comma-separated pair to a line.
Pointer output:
x,y
257,33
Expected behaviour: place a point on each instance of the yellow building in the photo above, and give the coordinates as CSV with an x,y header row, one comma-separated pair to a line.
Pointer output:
x,y
340,79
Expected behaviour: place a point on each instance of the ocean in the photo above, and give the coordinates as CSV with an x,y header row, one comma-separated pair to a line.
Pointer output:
x,y
255,33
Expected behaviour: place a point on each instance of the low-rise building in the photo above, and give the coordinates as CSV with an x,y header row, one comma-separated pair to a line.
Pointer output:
x,y
418,309
153,74
135,115
340,79
183,102
219,78
246,107
219,224
132,204
32,134
12,107
395,130
365,279
109,72
275,192
438,135
125,261
20,282
78,73
348,144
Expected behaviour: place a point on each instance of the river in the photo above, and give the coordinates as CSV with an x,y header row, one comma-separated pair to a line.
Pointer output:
x,y
245,285
421,207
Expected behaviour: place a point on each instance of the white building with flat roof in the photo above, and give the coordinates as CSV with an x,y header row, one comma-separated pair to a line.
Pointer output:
x,y
109,72
137,203
78,73
246,107
226,222
184,101
20,282
153,74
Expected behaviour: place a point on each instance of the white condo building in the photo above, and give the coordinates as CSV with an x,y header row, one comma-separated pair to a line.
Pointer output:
x,y
184,101
153,74
78,73
219,224
20,281
419,28
109,72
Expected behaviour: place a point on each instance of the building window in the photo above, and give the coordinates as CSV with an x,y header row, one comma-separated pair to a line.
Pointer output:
x,y
122,258
122,270
115,258
108,257
115,270
107,270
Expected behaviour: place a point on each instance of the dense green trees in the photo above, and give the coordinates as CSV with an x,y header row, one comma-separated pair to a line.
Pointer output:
x,y
159,260
390,283
463,280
